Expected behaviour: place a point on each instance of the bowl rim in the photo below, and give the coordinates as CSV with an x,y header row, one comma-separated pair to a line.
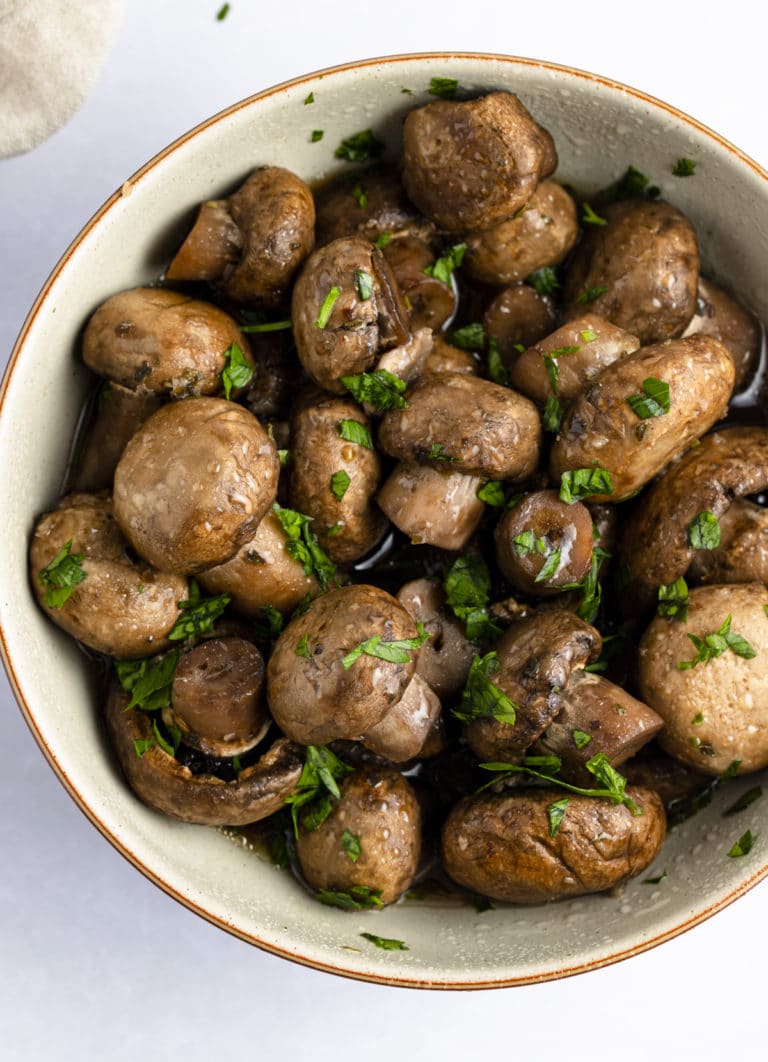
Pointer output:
x,y
15,683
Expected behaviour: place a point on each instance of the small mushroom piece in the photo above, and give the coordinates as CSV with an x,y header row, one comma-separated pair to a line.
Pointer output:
x,y
742,556
581,349
543,544
720,315
322,683
518,317
444,660
474,163
333,480
634,443
477,427
372,837
640,270
432,506
119,605
430,302
655,546
194,482
402,733
715,711
252,243
502,846
370,205
445,357
536,658
346,311
216,697
118,413
541,234
154,339
276,369
262,573
408,359
596,716
161,782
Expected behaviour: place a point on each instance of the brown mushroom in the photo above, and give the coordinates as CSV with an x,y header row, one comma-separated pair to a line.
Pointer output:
x,y
444,660
445,357
194,482
742,556
432,506
371,205
430,302
402,733
518,317
118,413
720,315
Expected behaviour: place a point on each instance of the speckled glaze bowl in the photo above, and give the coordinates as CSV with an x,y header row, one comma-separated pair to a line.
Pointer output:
x,y
599,127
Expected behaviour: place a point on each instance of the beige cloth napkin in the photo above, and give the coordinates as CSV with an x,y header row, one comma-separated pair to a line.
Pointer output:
x,y
51,52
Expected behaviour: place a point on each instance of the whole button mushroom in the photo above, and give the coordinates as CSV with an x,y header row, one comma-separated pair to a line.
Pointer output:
x,y
335,672
475,163
194,482
658,546
433,506
618,424
158,340
712,693
474,426
518,316
88,583
372,837
720,315
346,311
503,846
540,234
640,270
252,243
163,783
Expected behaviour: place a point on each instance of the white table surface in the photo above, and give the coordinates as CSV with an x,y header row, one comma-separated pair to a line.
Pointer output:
x,y
95,962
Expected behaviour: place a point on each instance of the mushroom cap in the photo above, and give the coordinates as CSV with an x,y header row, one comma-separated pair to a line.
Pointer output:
x,y
369,208
431,505
715,713
719,314
194,482
313,697
519,316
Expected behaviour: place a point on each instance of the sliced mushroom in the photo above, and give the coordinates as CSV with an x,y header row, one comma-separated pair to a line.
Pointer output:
x,y
444,660
194,482
432,506
474,163
160,781
742,556
518,317
159,340
120,606
119,412
629,439
720,315
402,733
504,847
715,711
371,839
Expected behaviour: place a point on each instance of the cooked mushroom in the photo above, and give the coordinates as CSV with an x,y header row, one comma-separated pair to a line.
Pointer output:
x,y
445,357
430,302
619,425
720,315
518,317
474,163
540,234
402,733
167,785
371,839
580,349
535,657
477,427
432,506
372,205
742,556
158,340
252,243
656,546
194,482
543,544
712,692
346,311
216,697
86,580
276,370
334,480
119,412
504,846
639,270
325,679
263,573
444,659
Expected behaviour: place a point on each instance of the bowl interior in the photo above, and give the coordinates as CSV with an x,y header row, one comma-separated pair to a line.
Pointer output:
x,y
599,128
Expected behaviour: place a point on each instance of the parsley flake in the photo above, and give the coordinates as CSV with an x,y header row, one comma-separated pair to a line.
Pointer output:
x,y
581,738
394,652
703,532
387,943
340,484
481,698
467,588
612,783
673,600
148,681
309,99
350,844
492,493
360,147
380,389
302,648
198,614
222,13
324,313
497,370
590,295
470,337
237,371
364,284
354,431
357,898
316,136
268,622
360,195
713,645
556,814
267,326
61,576
745,800
544,281
318,781
382,240
684,168
653,402
585,483
589,217
442,268
303,546
443,87
741,847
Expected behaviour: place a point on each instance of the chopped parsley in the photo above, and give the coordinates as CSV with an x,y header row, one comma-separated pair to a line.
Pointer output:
x,y
174,733
360,196
550,567
442,269
444,87
324,313
631,185
302,648
354,431
387,943
673,600
684,168
268,622
198,613
585,483
148,681
142,745
340,484
703,532
497,370
653,402
316,135
316,784
61,576
589,217
382,240
309,99
745,800
470,337
394,652
544,281
437,453
590,295
267,326
357,898
713,645
364,284
467,588
303,546
741,847
237,372
612,784
350,844
556,814
222,13
588,335
481,698
526,543
492,493
360,147
552,416
590,586
581,738
380,389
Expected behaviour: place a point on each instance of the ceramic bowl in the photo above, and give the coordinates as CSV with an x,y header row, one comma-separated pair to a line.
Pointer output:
x,y
599,127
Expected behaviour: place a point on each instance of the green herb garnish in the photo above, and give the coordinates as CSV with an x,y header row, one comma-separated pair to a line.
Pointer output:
x,y
549,568
324,314
394,652
198,613
589,217
364,284
302,648
492,493
481,698
268,622
61,576
585,483
318,778
350,844
222,13
442,269
581,738
653,402
703,532
303,546
148,681
382,240
544,280
360,196
357,898
267,326
741,847
745,800
437,453
467,587
713,645
556,814
354,431
590,295
380,389
684,168
497,370
444,87
387,943
340,484
612,783
309,99
360,147
470,337
673,600
237,372
316,135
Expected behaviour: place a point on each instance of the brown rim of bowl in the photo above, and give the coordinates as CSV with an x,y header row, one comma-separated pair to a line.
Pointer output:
x,y
304,960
